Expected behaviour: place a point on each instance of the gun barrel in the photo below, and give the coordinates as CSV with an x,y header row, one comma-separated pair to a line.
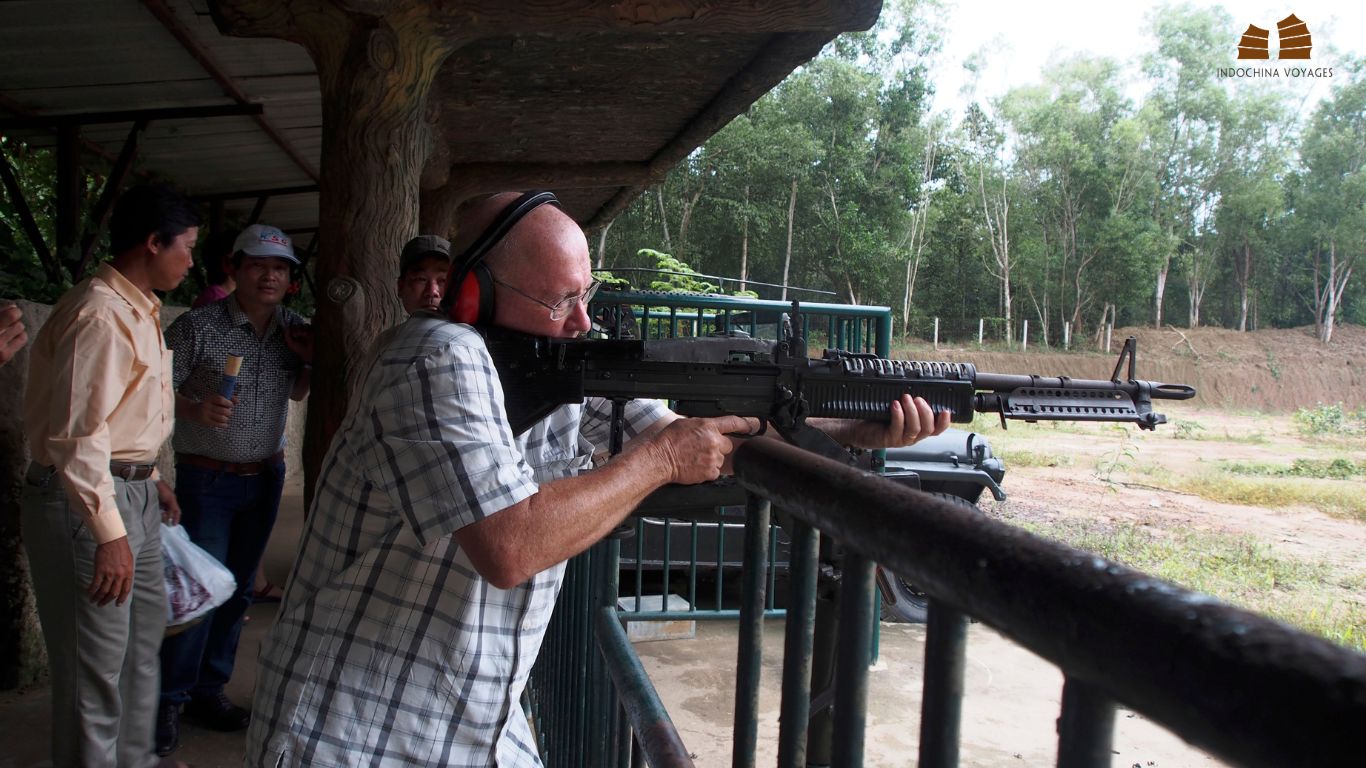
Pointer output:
x,y
1042,398
998,382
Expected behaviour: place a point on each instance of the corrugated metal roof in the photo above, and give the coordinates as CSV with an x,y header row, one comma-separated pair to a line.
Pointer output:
x,y
79,56
607,90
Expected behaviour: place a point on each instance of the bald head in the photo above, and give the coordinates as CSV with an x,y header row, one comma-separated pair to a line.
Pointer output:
x,y
544,255
545,232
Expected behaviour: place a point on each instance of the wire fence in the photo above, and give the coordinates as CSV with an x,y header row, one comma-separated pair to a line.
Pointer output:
x,y
996,333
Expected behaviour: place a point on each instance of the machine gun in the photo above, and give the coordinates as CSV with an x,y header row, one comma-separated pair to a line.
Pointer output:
x,y
778,383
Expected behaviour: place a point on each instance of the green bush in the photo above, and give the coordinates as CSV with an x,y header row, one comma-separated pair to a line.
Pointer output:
x,y
1329,420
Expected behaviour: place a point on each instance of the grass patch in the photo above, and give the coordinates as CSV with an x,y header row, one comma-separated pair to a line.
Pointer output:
x,y
991,422
1236,569
1340,498
1198,433
1014,457
1322,469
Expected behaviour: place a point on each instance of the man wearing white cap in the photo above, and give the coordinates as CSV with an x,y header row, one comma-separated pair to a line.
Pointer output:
x,y
230,459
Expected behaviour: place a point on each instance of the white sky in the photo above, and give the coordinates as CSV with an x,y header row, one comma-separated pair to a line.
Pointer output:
x,y
1019,37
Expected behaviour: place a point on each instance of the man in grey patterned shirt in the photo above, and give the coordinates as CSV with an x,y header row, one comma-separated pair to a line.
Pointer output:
x,y
230,460
437,539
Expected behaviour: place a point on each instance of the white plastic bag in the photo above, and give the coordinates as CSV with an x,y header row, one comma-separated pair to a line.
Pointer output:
x,y
196,583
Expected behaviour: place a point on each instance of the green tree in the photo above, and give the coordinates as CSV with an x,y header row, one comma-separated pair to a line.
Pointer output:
x,y
1183,114
1333,154
1250,186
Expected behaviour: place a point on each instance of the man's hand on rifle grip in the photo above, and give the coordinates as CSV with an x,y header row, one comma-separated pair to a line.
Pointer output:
x,y
698,449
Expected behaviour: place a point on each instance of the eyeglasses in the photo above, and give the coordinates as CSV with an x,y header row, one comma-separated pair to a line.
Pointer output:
x,y
562,307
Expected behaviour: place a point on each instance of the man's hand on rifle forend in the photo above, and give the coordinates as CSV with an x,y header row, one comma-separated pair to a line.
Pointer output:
x,y
697,450
912,420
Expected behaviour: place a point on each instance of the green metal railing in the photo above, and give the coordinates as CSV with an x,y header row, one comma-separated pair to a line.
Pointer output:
x,y
569,692
704,540
1244,688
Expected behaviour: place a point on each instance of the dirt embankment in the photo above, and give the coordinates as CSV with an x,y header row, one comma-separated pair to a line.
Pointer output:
x,y
1269,370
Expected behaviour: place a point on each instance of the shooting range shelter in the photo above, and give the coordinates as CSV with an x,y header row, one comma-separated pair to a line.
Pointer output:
x,y
355,124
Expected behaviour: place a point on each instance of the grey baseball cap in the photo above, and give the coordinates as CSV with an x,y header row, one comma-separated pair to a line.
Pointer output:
x,y
421,247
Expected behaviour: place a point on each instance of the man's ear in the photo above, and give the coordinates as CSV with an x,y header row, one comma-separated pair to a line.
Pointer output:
x,y
153,243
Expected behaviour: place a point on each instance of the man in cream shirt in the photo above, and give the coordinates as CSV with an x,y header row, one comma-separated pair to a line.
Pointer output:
x,y
97,408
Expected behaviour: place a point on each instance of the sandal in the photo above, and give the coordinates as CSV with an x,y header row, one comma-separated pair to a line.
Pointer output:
x,y
267,593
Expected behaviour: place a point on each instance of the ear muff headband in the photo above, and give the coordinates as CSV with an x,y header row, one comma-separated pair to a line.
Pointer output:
x,y
469,297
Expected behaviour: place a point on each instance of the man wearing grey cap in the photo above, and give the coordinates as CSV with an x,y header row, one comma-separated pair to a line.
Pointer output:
x,y
422,269
230,459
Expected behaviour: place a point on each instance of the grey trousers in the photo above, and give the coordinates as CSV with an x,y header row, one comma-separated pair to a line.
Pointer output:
x,y
103,660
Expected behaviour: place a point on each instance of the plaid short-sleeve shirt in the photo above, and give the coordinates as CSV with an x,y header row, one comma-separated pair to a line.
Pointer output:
x,y
390,649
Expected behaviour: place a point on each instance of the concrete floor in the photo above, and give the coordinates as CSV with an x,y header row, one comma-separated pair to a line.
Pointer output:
x,y
1009,710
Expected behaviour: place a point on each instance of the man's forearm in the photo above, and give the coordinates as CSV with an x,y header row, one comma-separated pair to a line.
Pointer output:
x,y
562,519
302,382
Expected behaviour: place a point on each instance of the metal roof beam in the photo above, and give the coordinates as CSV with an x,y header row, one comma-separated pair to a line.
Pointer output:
x,y
113,184
50,122
187,40
245,194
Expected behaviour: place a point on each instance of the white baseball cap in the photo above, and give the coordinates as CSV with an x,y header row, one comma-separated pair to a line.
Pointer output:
x,y
264,240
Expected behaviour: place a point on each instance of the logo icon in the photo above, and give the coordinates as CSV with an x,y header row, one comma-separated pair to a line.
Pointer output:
x,y
1293,35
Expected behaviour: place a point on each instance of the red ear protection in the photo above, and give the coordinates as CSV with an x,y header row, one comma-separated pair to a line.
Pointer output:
x,y
469,295
471,302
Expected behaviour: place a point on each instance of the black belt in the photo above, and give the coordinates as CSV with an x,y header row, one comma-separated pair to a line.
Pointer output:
x,y
245,469
41,474
131,472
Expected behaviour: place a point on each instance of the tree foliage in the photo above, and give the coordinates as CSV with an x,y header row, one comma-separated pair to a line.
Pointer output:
x,y
1150,191
1075,202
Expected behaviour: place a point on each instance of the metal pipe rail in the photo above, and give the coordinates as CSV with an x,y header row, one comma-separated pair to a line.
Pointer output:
x,y
1243,687
649,721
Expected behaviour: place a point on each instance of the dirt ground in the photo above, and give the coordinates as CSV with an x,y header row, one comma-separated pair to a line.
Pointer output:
x,y
1011,696
1249,385
1275,370
1076,490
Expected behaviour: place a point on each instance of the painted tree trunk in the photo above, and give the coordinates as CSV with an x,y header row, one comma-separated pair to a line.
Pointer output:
x,y
791,214
744,243
1161,290
375,83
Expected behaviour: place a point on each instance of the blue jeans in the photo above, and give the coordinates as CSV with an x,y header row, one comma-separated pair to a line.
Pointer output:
x,y
230,517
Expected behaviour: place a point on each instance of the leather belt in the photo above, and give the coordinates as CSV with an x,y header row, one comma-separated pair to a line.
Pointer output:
x,y
131,472
41,475
231,467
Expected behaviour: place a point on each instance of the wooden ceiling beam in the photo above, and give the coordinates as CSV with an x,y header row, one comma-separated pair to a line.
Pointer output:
x,y
768,68
466,180
469,19
477,178
490,18
243,194
49,122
